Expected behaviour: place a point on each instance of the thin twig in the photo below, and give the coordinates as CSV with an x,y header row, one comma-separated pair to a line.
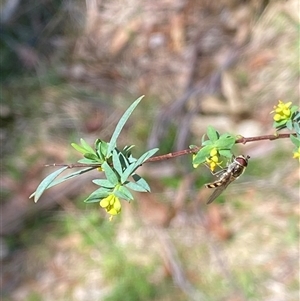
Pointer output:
x,y
188,151
74,165
242,140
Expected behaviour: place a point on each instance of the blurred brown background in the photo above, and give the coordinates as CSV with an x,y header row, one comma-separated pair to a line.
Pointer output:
x,y
69,69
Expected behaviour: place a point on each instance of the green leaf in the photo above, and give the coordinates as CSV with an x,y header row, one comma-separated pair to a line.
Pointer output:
x,y
295,140
140,181
207,142
98,143
120,125
71,176
110,174
294,109
146,156
104,183
279,125
289,125
86,146
124,161
212,134
202,154
132,167
91,156
88,161
226,142
116,162
123,193
296,116
135,187
127,172
103,149
296,127
225,153
46,182
127,149
79,148
97,195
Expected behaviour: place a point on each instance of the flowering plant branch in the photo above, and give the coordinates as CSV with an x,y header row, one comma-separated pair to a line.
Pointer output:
x,y
195,149
119,166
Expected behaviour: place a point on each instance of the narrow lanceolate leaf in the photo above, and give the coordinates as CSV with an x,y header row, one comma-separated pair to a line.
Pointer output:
x,y
88,148
46,182
128,172
66,178
70,176
123,193
135,187
141,182
116,162
146,156
110,174
91,156
79,148
101,147
97,195
120,125
295,140
289,125
296,127
97,163
135,165
104,183
124,161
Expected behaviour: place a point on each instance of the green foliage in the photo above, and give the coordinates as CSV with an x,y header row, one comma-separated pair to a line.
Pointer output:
x,y
296,140
51,181
119,169
288,117
120,125
119,166
46,182
222,143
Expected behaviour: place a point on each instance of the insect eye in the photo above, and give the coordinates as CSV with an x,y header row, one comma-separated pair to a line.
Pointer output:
x,y
242,160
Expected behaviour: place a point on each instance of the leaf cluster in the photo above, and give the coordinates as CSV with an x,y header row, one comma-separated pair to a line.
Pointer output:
x,y
119,166
292,124
213,140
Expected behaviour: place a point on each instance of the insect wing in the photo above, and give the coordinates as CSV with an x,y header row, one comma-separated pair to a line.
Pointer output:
x,y
219,189
215,194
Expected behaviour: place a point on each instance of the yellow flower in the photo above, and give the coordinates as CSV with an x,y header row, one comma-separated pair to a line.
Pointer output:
x,y
99,169
297,154
213,160
111,204
213,152
282,111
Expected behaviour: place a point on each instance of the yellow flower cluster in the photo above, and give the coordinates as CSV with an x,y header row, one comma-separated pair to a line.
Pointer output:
x,y
282,111
213,160
111,204
297,154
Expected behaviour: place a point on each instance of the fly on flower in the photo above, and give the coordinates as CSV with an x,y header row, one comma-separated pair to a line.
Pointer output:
x,y
227,175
